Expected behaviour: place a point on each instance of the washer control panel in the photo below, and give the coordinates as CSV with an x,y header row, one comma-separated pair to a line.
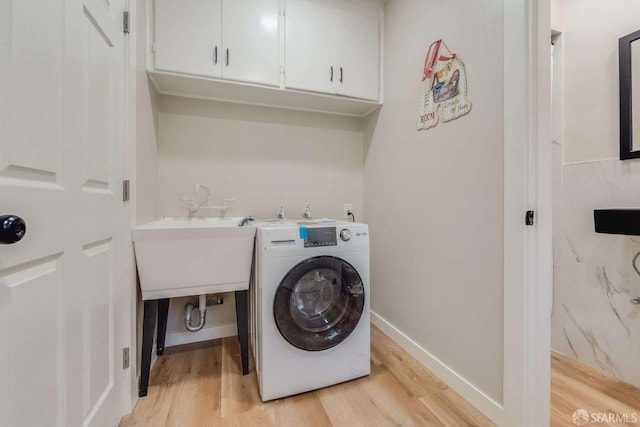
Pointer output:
x,y
315,237
320,236
291,236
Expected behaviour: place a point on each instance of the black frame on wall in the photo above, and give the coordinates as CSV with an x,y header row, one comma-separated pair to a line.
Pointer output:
x,y
626,107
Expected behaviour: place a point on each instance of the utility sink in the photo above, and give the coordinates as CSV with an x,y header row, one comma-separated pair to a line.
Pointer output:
x,y
181,257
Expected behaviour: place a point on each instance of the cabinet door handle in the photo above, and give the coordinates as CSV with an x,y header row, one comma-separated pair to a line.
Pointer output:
x,y
215,55
227,57
332,73
340,74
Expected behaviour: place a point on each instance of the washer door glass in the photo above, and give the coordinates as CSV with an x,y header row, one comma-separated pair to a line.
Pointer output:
x,y
319,303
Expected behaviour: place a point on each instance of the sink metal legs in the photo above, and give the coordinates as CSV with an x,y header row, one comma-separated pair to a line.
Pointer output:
x,y
159,310
148,326
242,321
163,314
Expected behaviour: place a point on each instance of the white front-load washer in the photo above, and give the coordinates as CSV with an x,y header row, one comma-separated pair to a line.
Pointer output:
x,y
310,305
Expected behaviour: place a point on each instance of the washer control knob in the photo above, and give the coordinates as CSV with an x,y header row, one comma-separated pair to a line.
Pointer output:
x,y
345,234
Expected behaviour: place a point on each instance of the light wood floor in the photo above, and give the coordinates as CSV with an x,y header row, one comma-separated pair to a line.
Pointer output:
x,y
201,385
574,386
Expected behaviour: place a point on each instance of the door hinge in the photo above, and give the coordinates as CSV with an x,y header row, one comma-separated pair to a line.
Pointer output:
x,y
125,358
528,218
125,22
125,190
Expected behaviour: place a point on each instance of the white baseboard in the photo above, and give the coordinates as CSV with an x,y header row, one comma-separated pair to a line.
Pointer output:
x,y
206,334
489,407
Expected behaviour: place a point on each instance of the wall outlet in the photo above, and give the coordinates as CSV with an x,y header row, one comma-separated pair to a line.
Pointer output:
x,y
348,207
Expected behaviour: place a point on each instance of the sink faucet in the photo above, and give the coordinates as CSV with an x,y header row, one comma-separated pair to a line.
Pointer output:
x,y
198,203
207,193
222,209
195,202
307,212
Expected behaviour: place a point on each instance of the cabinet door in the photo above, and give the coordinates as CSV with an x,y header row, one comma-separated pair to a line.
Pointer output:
x,y
250,33
188,36
309,45
357,52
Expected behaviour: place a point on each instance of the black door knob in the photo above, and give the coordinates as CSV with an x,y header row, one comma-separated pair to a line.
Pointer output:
x,y
12,229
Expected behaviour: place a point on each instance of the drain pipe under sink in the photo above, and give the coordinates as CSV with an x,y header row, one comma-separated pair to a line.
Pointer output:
x,y
203,315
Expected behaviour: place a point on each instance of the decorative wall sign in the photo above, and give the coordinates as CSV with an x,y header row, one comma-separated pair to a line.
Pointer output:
x,y
444,87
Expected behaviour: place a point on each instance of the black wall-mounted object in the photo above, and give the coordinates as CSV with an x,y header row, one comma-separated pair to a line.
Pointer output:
x,y
626,105
617,221
12,229
528,217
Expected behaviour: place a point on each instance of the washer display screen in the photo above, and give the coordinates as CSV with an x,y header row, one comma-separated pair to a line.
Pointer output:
x,y
319,303
323,236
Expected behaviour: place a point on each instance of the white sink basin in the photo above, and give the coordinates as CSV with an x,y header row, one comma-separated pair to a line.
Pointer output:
x,y
180,257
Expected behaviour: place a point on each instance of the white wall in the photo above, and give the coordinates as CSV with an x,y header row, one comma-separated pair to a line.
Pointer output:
x,y
434,199
591,31
556,201
264,158
593,320
556,15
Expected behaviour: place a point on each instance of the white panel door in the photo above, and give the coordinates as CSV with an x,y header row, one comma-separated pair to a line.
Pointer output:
x,y
188,36
310,45
250,34
357,52
62,312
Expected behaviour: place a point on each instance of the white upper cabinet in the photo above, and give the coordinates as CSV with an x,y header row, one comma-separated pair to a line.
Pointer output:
x,y
332,46
251,38
314,55
188,37
192,37
357,53
310,45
